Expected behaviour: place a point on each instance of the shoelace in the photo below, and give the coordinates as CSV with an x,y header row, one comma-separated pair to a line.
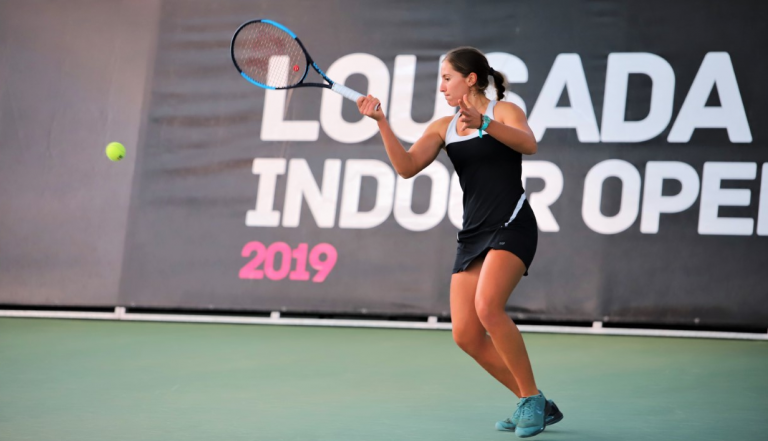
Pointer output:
x,y
526,407
515,416
517,411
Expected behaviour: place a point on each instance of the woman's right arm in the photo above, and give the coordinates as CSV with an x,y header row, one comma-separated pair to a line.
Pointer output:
x,y
406,163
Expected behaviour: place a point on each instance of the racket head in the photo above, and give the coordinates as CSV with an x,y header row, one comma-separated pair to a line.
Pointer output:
x,y
269,55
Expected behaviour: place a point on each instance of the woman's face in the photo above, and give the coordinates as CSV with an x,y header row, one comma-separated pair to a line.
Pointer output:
x,y
452,84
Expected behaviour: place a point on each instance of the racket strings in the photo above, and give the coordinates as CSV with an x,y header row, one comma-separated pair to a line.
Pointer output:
x,y
269,55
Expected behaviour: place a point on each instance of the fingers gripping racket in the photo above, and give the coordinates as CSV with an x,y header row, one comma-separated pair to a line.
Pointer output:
x,y
269,55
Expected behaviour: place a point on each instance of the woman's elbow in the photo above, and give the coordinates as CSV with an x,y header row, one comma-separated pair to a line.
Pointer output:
x,y
531,148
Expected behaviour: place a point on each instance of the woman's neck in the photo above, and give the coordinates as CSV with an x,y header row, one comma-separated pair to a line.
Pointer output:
x,y
478,101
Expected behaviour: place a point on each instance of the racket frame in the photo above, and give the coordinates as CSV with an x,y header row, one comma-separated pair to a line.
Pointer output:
x,y
336,87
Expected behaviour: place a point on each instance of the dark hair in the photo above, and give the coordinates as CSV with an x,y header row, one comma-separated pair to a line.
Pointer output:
x,y
466,60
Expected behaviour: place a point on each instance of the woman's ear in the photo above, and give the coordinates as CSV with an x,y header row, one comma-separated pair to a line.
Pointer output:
x,y
471,79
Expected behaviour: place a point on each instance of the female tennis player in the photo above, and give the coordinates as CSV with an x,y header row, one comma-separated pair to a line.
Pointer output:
x,y
485,141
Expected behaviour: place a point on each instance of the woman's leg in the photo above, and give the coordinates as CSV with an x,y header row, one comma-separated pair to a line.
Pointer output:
x,y
501,271
469,333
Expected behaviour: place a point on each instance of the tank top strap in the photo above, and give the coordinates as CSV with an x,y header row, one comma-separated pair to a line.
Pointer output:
x,y
451,135
489,109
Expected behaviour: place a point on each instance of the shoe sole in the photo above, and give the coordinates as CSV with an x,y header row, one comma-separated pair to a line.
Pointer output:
x,y
555,419
537,431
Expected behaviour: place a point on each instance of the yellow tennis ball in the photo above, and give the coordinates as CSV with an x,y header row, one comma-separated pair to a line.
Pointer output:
x,y
115,151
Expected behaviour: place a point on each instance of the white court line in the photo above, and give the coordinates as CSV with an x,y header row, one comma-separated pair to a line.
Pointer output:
x,y
431,324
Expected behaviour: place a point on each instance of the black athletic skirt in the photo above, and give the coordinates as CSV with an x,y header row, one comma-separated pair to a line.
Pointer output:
x,y
520,238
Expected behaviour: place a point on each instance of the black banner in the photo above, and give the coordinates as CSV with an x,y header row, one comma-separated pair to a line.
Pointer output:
x,y
650,185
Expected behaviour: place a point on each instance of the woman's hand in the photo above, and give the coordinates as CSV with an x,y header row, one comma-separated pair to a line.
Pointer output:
x,y
370,107
470,118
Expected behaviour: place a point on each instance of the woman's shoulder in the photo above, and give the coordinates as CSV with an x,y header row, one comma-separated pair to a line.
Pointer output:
x,y
440,125
443,121
506,109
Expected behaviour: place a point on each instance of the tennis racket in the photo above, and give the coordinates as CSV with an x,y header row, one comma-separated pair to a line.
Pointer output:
x,y
270,55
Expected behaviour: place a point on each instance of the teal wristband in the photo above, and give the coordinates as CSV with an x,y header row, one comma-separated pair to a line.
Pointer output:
x,y
486,122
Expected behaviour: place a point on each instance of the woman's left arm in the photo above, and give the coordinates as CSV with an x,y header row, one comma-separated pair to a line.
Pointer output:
x,y
512,129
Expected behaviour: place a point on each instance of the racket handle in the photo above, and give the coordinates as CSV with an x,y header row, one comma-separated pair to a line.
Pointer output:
x,y
348,93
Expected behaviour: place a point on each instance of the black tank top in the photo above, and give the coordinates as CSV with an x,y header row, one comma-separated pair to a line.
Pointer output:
x,y
490,176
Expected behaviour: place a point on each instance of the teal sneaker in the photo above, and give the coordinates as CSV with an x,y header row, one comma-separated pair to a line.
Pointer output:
x,y
553,416
510,424
530,421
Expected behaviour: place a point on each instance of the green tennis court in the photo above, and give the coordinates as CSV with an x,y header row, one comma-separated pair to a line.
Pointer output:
x,y
92,380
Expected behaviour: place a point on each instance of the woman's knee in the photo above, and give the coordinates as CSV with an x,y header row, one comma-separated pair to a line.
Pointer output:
x,y
490,314
469,341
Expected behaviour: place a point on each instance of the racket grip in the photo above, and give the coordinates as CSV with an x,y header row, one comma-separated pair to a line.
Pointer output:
x,y
347,93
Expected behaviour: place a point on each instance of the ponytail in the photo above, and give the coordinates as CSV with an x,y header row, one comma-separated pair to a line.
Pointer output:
x,y
498,83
